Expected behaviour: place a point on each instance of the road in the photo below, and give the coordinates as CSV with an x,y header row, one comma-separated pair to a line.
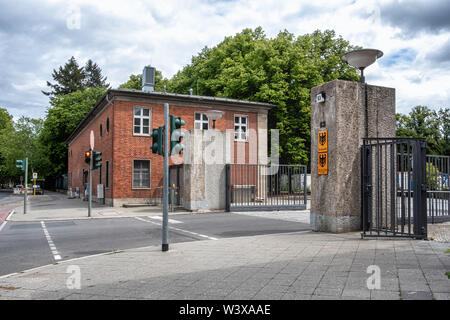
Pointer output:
x,y
25,245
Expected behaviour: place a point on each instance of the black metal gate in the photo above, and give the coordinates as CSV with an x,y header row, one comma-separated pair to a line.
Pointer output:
x,y
438,188
265,187
394,187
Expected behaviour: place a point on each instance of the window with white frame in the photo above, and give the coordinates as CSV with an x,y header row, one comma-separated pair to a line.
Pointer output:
x,y
201,121
240,128
141,121
141,173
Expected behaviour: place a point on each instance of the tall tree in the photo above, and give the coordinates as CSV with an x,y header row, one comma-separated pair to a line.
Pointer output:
x,y
281,71
65,114
93,76
71,77
68,79
423,122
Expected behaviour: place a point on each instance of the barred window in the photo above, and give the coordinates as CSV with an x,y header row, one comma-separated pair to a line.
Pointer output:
x,y
141,173
141,121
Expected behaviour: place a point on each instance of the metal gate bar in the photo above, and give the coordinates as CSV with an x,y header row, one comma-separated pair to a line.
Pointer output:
x,y
438,188
393,188
265,187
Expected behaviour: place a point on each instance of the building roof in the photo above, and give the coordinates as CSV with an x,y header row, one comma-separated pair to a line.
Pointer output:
x,y
110,94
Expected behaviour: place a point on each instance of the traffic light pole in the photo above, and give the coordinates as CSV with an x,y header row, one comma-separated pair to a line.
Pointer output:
x,y
25,194
90,184
165,220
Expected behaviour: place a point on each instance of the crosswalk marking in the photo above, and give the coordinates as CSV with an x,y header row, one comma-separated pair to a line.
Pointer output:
x,y
178,229
52,246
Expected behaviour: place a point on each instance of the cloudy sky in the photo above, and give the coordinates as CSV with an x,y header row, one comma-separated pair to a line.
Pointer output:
x,y
123,36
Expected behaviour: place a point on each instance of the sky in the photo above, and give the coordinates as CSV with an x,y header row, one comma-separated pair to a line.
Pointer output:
x,y
124,36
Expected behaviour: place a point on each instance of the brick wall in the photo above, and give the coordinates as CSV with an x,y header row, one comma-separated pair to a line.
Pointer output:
x,y
120,147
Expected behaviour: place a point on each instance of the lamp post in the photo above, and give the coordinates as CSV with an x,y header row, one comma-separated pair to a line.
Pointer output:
x,y
361,59
214,115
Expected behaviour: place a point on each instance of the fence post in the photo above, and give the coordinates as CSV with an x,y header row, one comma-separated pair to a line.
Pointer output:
x,y
228,187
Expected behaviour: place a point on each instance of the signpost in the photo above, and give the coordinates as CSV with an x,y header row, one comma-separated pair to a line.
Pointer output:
x,y
91,142
165,228
323,152
35,175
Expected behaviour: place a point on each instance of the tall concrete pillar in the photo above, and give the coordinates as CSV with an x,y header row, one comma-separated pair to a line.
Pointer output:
x,y
336,195
204,159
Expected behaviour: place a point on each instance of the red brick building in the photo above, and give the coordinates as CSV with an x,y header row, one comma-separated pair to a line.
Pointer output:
x,y
122,121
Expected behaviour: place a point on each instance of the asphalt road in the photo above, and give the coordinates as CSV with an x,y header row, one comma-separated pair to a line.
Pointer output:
x,y
24,245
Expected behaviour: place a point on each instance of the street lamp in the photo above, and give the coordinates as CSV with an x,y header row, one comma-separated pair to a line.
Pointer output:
x,y
214,115
362,58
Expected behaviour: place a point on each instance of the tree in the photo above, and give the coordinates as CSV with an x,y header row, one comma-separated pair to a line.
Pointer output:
x,y
93,76
62,118
72,77
422,122
282,71
20,142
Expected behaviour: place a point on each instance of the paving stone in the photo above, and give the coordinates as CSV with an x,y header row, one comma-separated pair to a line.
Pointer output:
x,y
416,295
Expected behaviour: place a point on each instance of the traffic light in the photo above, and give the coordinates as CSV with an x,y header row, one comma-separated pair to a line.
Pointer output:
x,y
157,141
87,157
20,164
175,135
96,159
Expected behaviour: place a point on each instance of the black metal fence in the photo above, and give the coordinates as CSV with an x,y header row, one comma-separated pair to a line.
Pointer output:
x,y
393,187
265,187
438,188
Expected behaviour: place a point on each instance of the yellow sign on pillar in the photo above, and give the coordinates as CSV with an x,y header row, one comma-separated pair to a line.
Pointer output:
x,y
323,141
323,163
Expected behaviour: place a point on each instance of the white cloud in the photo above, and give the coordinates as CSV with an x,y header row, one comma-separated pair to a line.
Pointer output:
x,y
122,37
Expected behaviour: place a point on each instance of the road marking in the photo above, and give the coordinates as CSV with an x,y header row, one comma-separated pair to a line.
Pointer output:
x,y
178,229
3,225
52,246
160,219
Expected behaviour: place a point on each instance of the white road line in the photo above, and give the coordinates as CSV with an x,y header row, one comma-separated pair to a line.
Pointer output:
x,y
178,229
160,219
3,225
52,246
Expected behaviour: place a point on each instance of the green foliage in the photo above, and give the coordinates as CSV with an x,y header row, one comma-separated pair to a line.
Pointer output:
x,y
282,70
62,118
432,176
20,142
422,122
72,77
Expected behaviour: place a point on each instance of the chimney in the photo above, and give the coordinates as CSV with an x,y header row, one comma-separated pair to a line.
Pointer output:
x,y
148,79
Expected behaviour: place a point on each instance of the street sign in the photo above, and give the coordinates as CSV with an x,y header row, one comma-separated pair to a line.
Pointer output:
x,y
34,175
92,140
323,163
323,141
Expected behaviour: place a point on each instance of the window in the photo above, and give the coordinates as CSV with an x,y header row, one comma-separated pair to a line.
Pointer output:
x,y
101,130
107,175
240,128
107,126
141,121
201,121
141,173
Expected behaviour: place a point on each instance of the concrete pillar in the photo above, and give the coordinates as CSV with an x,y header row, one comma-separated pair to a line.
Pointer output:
x,y
336,196
204,160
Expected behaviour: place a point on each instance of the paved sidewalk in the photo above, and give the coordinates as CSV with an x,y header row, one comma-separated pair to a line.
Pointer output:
x,y
57,206
283,266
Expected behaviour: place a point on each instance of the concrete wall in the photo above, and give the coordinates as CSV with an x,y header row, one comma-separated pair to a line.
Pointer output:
x,y
335,198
